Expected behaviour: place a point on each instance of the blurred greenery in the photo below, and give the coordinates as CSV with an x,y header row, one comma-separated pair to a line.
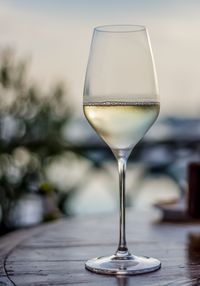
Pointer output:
x,y
31,123
42,169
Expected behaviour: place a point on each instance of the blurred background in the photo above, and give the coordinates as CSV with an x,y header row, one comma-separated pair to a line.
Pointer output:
x,y
51,162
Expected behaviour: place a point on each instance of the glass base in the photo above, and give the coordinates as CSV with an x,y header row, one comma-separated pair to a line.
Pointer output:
x,y
115,265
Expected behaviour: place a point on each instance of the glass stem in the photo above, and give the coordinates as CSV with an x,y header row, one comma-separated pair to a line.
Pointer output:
x,y
122,250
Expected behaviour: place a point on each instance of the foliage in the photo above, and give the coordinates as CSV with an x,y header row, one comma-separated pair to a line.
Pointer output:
x,y
31,121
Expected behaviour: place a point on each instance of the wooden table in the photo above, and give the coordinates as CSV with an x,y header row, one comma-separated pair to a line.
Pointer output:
x,y
54,254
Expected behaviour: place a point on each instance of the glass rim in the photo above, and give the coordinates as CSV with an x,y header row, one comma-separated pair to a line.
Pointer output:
x,y
126,28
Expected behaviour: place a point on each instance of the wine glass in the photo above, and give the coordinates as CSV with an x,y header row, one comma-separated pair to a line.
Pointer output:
x,y
121,102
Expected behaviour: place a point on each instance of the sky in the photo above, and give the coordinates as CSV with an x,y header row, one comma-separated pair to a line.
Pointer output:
x,y
56,36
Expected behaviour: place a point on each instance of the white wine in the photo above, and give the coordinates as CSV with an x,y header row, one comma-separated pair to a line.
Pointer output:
x,y
121,124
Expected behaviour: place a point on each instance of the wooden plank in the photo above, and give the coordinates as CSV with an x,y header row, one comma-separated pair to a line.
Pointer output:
x,y
8,243
54,254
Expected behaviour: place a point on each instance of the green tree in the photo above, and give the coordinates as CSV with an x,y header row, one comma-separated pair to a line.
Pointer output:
x,y
31,121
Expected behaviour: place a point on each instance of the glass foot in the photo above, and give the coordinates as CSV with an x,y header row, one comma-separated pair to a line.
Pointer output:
x,y
130,265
